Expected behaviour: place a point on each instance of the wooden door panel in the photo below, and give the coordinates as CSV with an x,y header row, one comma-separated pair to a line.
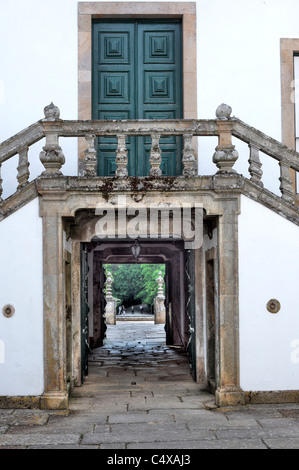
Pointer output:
x,y
137,75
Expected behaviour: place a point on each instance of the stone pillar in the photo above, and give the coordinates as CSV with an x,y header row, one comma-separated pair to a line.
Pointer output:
x,y
52,156
228,383
159,302
55,391
226,154
110,309
76,302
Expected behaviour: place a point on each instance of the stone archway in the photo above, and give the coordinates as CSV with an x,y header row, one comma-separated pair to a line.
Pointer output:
x,y
69,218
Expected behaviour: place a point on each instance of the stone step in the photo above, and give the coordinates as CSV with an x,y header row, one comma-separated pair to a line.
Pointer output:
x,y
130,317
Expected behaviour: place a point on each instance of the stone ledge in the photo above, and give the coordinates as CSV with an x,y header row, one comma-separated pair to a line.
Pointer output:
x,y
29,402
271,397
64,186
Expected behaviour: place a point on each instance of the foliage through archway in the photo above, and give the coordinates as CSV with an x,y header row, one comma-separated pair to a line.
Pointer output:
x,y
135,284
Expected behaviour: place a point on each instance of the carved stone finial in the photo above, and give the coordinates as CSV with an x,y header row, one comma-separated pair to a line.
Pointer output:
x,y
223,112
51,112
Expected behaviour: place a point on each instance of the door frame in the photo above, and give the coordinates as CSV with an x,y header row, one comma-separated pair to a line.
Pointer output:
x,y
87,11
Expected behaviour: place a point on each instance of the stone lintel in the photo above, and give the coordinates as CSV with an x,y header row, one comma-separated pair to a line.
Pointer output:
x,y
136,8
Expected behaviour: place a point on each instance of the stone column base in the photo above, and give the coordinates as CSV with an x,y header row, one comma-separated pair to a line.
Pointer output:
x,y
229,396
159,310
110,312
54,401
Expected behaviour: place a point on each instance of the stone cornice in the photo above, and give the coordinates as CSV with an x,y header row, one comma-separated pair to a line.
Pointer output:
x,y
60,189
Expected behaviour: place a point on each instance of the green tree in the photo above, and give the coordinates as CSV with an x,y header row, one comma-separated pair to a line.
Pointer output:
x,y
150,274
135,283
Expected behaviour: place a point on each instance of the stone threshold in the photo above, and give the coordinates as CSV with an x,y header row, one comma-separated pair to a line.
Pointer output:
x,y
135,318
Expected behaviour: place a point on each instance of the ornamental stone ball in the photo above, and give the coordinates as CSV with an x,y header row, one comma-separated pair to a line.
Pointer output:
x,y
51,112
223,112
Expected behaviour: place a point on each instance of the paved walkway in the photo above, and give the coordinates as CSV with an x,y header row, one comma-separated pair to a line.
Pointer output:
x,y
139,394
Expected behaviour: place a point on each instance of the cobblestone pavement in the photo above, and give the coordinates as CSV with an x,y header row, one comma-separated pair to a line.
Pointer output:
x,y
139,394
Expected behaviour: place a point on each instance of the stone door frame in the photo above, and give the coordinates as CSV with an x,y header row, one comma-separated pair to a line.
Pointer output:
x,y
87,11
58,209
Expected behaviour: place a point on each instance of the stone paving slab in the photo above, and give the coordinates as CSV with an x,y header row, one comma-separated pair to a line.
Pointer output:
x,y
38,439
130,435
282,443
140,417
200,444
248,433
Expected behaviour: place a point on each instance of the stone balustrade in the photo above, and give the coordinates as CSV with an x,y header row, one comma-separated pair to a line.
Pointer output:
x,y
224,127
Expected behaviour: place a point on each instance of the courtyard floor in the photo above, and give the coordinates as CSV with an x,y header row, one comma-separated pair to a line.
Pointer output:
x,y
139,394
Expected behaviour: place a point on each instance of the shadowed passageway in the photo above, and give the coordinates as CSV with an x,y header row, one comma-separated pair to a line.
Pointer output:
x,y
135,370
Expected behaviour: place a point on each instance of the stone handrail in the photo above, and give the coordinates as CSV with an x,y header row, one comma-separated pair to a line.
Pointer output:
x,y
224,127
19,144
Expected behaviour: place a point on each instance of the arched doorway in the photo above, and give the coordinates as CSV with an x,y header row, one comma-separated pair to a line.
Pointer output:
x,y
178,279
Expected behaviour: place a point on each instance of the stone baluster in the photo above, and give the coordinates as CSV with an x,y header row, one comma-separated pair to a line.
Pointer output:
x,y
90,161
121,156
1,188
155,156
110,312
23,168
52,156
255,165
160,282
285,187
188,157
225,155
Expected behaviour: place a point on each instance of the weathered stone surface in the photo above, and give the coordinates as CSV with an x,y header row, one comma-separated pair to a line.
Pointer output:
x,y
38,439
281,443
201,443
100,424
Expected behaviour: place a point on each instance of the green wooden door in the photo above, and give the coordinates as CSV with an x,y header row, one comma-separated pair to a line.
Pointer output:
x,y
137,67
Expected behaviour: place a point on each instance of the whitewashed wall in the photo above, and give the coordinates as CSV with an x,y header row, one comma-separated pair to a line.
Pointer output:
x,y
238,63
21,336
269,343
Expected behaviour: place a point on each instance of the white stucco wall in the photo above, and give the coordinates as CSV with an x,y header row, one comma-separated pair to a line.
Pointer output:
x,y
268,268
21,336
